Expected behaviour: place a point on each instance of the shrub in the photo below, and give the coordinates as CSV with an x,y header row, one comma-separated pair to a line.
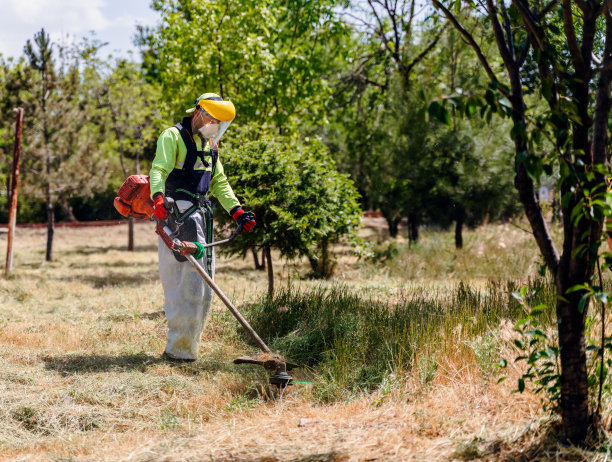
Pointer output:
x,y
302,204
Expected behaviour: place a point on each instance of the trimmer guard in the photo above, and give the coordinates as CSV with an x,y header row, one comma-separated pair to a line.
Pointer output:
x,y
269,361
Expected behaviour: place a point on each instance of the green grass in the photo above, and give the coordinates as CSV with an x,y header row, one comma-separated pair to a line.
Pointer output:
x,y
353,341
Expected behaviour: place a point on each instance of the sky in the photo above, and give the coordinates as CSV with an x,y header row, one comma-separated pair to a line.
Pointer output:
x,y
113,21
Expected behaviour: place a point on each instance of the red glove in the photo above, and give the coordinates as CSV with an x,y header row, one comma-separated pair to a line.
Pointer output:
x,y
160,211
244,219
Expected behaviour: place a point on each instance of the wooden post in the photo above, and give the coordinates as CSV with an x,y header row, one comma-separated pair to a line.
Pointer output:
x,y
14,192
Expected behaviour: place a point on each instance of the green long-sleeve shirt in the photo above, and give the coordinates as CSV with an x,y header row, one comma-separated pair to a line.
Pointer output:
x,y
171,153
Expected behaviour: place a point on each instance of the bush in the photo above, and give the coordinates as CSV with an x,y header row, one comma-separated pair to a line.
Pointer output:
x,y
302,204
29,210
97,207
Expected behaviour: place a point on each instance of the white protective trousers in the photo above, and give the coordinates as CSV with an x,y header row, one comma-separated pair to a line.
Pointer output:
x,y
187,297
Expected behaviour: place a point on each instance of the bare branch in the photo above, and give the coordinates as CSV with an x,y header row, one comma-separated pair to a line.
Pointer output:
x,y
523,56
395,30
570,34
529,21
499,38
411,17
508,30
380,30
469,38
425,52
383,36
547,9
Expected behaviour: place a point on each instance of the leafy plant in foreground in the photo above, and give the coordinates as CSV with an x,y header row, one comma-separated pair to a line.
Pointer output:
x,y
538,349
537,346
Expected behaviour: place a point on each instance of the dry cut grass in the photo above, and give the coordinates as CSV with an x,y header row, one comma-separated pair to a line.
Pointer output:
x,y
82,378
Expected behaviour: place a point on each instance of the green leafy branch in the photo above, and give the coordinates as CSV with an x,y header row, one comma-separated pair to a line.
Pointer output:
x,y
538,349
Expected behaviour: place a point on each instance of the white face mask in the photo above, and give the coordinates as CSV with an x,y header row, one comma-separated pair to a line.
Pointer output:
x,y
208,131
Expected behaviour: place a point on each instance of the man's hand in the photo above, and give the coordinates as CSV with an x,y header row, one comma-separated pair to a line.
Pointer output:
x,y
244,219
159,211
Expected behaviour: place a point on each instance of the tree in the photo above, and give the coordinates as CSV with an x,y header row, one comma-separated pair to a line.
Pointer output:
x,y
472,177
269,57
132,113
62,153
559,51
15,82
377,86
473,169
302,204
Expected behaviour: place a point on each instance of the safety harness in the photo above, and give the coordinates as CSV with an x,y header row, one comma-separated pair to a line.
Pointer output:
x,y
194,186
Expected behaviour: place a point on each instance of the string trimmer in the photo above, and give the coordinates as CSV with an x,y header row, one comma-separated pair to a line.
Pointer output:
x,y
167,230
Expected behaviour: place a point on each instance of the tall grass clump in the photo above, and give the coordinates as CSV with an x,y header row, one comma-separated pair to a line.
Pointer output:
x,y
354,341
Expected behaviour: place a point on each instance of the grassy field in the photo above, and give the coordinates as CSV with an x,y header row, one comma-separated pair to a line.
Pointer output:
x,y
82,378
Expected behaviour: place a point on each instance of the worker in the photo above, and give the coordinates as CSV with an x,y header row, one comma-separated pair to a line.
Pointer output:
x,y
187,168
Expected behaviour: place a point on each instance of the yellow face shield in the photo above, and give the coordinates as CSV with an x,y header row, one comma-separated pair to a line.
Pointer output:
x,y
223,111
217,112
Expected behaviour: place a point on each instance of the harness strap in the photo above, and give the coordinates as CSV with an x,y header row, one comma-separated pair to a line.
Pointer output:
x,y
198,201
208,225
202,203
214,157
192,150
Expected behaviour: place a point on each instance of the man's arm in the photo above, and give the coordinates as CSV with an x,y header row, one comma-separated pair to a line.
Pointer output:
x,y
165,159
221,189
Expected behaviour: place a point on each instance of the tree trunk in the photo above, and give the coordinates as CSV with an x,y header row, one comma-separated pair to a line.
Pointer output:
x,y
8,189
259,266
268,255
413,229
574,380
459,217
130,245
393,224
556,209
50,225
322,264
63,202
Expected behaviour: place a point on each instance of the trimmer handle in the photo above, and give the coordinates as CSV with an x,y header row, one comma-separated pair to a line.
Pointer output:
x,y
169,204
237,232
234,235
172,224
171,221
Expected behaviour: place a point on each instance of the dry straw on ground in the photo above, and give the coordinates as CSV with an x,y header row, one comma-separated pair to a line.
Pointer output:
x,y
82,378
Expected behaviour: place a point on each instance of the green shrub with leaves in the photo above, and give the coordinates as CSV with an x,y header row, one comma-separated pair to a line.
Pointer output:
x,y
301,202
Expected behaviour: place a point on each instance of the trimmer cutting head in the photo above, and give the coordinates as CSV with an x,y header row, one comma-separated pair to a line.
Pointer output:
x,y
273,362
